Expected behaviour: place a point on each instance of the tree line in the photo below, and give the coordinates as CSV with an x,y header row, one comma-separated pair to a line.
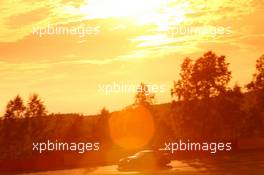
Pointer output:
x,y
203,108
204,78
203,104
16,108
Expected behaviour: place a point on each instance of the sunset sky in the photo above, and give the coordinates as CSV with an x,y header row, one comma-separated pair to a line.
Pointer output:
x,y
133,45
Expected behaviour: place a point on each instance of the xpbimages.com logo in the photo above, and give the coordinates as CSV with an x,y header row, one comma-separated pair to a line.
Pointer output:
x,y
80,31
212,147
126,88
80,147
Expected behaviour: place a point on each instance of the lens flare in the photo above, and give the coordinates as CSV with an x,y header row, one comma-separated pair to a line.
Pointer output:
x,y
132,128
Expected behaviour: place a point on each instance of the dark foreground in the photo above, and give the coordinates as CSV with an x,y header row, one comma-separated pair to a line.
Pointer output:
x,y
248,163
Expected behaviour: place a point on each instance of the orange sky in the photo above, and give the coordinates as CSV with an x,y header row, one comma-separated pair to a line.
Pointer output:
x,y
133,45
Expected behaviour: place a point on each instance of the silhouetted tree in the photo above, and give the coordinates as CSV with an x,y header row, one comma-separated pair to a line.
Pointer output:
x,y
104,112
15,108
144,96
35,107
236,91
230,113
198,115
183,88
102,127
258,78
255,120
207,77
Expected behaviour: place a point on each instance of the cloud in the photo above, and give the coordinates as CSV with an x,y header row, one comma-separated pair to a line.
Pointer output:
x,y
22,20
107,43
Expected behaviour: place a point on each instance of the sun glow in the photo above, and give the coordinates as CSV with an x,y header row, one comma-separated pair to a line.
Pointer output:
x,y
121,8
141,11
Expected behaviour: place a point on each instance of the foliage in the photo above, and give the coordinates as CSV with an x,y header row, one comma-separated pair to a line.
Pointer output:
x,y
15,108
258,78
144,96
35,107
207,77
